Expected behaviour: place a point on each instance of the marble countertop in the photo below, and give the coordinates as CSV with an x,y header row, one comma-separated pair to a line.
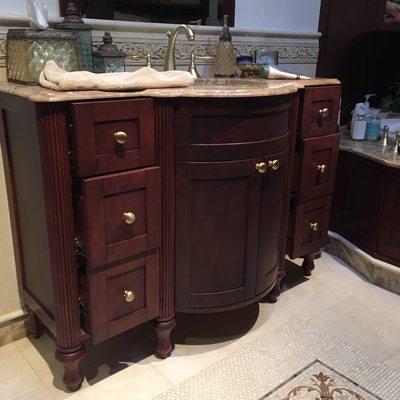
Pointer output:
x,y
372,150
249,88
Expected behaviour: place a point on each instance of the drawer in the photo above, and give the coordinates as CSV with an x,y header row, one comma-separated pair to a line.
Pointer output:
x,y
113,136
232,130
317,167
121,297
320,111
120,215
308,228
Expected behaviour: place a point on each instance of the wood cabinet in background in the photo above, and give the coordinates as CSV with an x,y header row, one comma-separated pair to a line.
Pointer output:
x,y
366,208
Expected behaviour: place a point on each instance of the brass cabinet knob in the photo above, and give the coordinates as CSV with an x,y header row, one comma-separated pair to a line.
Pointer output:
x,y
120,137
322,168
261,167
274,164
129,217
129,295
314,226
323,112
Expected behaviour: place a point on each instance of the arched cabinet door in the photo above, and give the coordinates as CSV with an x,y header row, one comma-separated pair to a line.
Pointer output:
x,y
230,225
217,226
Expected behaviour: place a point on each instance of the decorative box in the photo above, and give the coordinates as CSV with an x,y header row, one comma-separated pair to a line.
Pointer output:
x,y
28,50
107,57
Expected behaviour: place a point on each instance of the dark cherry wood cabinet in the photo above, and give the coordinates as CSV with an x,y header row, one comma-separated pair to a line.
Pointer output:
x,y
365,206
129,210
316,156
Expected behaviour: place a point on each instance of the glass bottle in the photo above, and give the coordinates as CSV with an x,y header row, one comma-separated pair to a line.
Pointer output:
x,y
224,62
373,129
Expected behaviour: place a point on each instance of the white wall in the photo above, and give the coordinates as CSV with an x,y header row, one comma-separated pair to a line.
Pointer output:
x,y
281,15
18,7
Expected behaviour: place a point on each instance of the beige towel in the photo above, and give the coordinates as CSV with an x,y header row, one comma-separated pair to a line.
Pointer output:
x,y
54,77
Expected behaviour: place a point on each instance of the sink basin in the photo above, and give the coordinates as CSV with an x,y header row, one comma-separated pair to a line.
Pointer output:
x,y
227,83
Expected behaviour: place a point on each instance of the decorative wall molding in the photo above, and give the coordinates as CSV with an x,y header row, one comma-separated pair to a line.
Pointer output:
x,y
292,49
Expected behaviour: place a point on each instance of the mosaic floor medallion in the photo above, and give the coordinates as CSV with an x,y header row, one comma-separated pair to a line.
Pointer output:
x,y
317,381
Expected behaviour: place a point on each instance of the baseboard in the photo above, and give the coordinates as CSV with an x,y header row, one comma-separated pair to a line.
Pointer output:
x,y
12,327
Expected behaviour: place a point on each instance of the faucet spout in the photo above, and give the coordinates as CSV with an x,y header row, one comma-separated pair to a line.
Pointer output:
x,y
169,62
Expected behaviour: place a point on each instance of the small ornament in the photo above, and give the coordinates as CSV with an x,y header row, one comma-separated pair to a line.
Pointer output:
x,y
108,58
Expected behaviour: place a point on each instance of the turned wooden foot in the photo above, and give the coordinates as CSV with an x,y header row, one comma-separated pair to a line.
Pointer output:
x,y
273,295
35,326
163,330
308,264
73,377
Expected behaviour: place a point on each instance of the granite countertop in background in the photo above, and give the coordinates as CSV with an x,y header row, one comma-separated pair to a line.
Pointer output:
x,y
372,150
270,87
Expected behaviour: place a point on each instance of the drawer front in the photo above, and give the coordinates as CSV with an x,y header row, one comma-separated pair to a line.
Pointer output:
x,y
113,136
309,227
238,130
120,215
320,111
318,166
123,296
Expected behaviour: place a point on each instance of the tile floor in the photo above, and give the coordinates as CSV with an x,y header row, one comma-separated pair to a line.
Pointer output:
x,y
334,299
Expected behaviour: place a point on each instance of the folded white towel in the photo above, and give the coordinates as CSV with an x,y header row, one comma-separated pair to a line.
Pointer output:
x,y
54,77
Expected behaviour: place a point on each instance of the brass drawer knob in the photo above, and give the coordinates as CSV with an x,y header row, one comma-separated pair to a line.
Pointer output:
x,y
322,168
129,295
129,217
314,226
323,112
261,167
120,137
274,165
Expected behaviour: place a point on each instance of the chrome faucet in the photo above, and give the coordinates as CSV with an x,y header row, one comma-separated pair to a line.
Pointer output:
x,y
169,62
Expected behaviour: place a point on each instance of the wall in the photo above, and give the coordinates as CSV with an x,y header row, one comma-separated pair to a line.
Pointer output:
x,y
298,52
281,15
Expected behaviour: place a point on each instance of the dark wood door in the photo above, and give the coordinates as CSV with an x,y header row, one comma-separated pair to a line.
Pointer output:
x,y
217,219
272,222
389,238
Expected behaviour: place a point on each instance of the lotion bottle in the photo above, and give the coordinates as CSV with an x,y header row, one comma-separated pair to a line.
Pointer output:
x,y
224,61
359,125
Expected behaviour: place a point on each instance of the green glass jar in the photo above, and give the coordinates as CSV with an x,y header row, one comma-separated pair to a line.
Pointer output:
x,y
83,34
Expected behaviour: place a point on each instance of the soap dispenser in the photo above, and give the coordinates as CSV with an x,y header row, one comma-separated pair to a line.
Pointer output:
x,y
224,61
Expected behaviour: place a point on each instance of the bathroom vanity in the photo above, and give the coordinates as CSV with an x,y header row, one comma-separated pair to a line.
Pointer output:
x,y
129,207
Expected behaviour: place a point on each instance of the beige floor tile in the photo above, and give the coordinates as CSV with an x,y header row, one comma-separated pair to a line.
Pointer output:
x,y
310,298
393,360
84,394
382,302
133,383
333,272
21,383
352,321
41,393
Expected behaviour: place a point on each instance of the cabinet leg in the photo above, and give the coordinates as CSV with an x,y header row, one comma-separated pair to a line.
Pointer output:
x,y
73,377
308,264
35,326
163,329
273,295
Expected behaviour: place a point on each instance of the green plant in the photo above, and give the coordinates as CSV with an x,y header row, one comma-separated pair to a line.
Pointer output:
x,y
391,102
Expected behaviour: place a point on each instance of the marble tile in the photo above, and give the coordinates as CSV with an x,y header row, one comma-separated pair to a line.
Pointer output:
x,y
335,273
352,321
310,298
40,393
393,360
139,382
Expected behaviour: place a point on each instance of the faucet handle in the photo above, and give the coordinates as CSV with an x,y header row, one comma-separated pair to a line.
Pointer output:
x,y
146,57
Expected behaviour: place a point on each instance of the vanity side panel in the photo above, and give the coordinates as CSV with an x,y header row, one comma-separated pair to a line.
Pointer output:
x,y
27,196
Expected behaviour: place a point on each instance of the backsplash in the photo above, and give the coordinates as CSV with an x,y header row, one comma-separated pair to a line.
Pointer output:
x,y
300,49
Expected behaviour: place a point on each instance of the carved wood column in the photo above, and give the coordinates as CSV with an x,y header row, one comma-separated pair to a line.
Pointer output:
x,y
53,142
166,322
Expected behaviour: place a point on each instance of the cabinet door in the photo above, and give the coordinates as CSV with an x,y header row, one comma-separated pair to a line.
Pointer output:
x,y
274,207
217,228
389,238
